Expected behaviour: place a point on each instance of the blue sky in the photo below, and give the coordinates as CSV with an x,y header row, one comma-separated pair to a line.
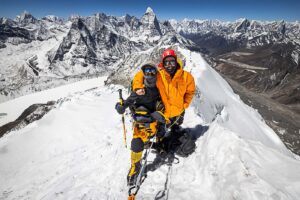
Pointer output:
x,y
226,10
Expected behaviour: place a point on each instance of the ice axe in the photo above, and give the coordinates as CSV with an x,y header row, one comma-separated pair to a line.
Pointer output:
x,y
123,118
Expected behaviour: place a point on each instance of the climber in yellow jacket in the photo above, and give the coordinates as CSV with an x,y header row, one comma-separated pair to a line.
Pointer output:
x,y
146,111
176,87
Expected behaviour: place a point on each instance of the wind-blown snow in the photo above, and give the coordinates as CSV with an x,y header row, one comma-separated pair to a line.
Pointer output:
x,y
76,151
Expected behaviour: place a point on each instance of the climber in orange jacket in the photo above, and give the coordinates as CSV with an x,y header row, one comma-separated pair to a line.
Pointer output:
x,y
176,87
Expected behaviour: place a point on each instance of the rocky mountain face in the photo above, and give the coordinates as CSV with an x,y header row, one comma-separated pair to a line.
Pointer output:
x,y
272,46
84,46
31,114
219,37
46,52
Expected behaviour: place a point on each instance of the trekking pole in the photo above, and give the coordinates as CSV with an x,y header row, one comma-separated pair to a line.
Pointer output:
x,y
123,118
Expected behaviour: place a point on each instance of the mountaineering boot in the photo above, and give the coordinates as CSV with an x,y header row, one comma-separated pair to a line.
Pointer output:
x,y
133,173
131,197
159,146
135,168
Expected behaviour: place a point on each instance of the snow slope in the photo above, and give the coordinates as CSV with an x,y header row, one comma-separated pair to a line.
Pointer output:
x,y
76,151
11,110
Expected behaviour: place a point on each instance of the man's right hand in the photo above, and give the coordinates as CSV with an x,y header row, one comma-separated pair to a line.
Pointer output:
x,y
120,109
140,91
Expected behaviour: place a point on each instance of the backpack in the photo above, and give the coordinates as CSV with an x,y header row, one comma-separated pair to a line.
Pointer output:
x,y
181,143
187,145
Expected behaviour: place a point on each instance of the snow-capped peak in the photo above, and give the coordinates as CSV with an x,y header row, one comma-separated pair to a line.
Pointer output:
x,y
185,20
25,17
173,21
240,20
4,20
52,18
149,10
243,24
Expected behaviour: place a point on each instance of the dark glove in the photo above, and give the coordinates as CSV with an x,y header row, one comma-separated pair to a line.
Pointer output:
x,y
120,109
160,117
161,130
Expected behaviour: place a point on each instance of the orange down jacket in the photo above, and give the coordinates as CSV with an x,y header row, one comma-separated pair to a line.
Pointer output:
x,y
176,93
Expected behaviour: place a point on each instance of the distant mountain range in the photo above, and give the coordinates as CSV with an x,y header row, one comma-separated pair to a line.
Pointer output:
x,y
43,53
50,48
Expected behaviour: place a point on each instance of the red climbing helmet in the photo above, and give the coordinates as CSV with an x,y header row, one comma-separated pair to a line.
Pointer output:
x,y
169,52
